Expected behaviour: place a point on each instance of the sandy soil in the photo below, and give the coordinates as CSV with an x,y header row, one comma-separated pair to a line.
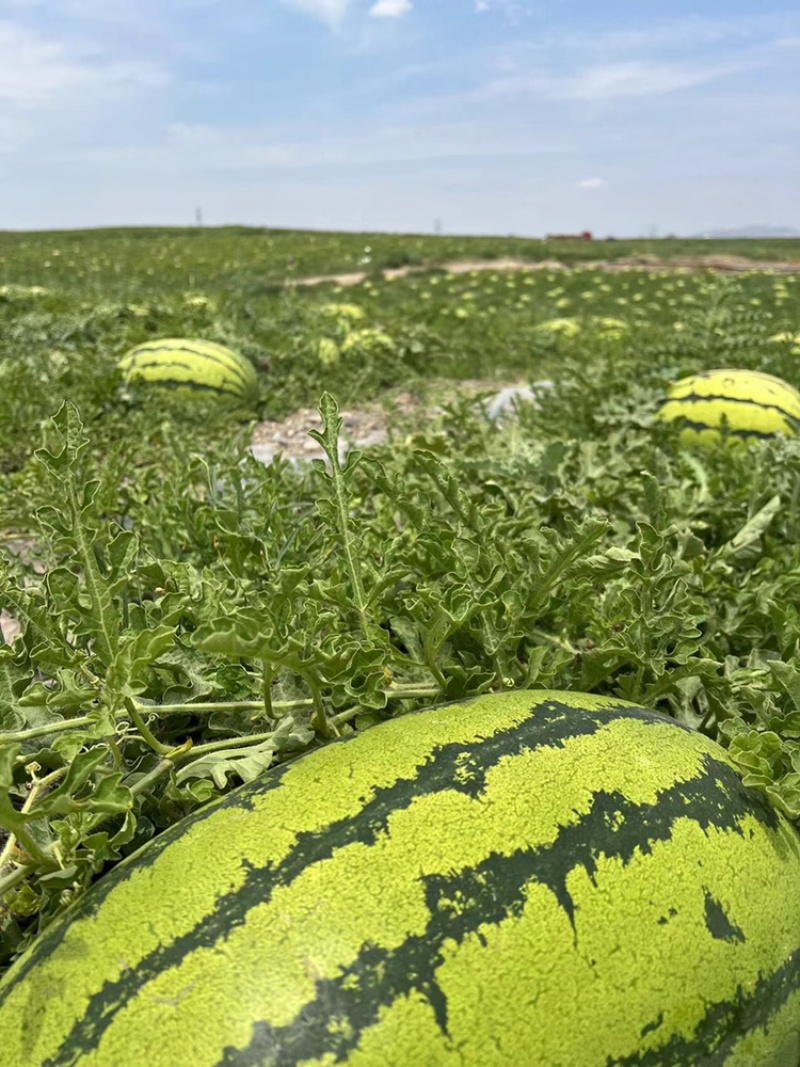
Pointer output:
x,y
686,264
367,424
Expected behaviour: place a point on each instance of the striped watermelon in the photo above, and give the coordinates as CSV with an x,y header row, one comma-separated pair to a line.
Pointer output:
x,y
751,403
191,366
537,879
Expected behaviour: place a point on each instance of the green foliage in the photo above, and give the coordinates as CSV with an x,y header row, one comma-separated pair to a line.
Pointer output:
x,y
190,617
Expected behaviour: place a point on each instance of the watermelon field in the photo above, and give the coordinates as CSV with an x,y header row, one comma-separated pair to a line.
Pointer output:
x,y
179,616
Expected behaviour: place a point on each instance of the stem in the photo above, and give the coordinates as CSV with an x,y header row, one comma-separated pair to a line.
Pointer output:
x,y
499,673
90,676
554,572
151,776
10,880
144,730
211,706
410,692
319,720
38,786
136,788
437,674
115,752
266,688
95,583
231,742
639,680
398,692
559,642
42,731
706,720
329,439
33,850
344,716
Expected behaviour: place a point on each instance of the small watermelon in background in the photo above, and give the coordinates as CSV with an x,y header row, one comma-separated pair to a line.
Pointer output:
x,y
343,316
563,327
752,404
788,338
610,328
191,366
368,341
327,351
531,879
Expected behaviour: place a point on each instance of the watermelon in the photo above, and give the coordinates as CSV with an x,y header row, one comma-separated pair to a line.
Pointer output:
x,y
368,341
191,366
564,326
530,879
751,404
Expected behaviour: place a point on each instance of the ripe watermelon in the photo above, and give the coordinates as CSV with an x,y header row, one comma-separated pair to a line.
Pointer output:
x,y
751,403
534,879
191,366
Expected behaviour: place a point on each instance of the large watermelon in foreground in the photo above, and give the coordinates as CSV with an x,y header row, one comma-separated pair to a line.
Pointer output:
x,y
752,405
537,879
191,366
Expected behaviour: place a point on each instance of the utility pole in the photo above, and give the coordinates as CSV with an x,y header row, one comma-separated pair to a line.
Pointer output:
x,y
198,216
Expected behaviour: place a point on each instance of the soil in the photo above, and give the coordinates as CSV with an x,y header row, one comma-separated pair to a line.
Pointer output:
x,y
718,264
367,424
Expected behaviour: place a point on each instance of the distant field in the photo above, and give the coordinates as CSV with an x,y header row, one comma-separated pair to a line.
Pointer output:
x,y
148,260
71,303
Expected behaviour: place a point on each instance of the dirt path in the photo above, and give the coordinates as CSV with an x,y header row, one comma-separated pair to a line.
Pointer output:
x,y
368,424
684,264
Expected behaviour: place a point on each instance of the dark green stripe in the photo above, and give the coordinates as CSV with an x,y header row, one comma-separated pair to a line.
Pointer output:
x,y
718,924
235,383
462,903
242,796
716,798
144,857
682,423
209,356
725,1023
697,398
194,387
770,379
191,350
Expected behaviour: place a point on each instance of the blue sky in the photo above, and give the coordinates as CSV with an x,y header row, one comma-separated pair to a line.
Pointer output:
x,y
492,116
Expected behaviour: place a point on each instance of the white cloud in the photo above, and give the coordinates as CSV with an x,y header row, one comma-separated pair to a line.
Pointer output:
x,y
390,9
245,149
36,72
509,8
610,81
267,150
681,33
331,12
592,183
635,78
